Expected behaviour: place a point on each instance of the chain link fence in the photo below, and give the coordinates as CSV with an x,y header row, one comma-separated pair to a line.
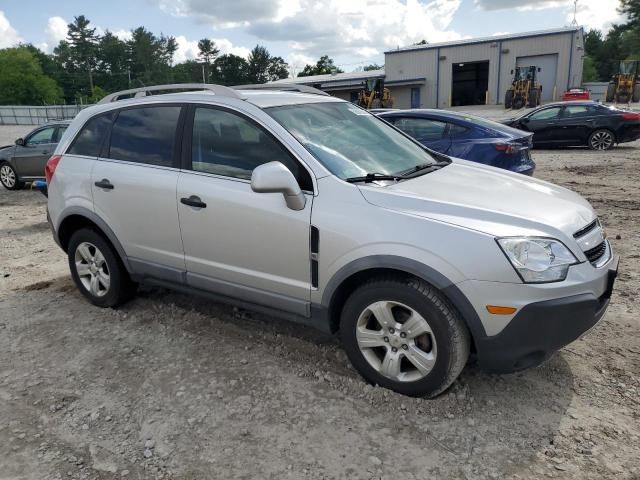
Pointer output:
x,y
37,115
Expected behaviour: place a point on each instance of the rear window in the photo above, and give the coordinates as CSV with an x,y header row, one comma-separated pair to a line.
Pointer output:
x,y
145,135
89,141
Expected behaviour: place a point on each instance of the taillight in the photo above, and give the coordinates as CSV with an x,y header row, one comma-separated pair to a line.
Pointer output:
x,y
631,116
50,168
507,148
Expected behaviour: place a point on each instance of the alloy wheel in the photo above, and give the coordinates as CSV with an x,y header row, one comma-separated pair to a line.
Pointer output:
x,y
601,140
7,176
396,341
92,269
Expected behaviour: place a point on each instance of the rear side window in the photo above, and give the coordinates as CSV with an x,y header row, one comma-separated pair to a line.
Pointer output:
x,y
458,131
422,129
227,144
145,135
89,141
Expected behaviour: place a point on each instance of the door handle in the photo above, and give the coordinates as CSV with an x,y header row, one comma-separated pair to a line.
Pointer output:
x,y
104,183
193,201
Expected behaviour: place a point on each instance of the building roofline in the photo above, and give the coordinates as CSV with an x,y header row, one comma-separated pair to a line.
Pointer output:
x,y
496,38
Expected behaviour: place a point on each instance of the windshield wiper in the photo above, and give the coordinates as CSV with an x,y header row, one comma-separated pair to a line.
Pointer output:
x,y
373,177
423,169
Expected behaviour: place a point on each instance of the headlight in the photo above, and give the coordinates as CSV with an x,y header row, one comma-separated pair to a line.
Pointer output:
x,y
538,260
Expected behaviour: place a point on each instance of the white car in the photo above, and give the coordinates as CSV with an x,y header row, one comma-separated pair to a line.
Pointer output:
x,y
308,207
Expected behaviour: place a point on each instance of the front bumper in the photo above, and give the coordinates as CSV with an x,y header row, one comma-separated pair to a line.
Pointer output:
x,y
541,328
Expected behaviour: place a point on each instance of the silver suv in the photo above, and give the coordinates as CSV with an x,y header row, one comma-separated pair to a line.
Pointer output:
x,y
308,207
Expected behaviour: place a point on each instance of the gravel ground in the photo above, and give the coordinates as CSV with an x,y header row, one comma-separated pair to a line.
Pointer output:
x,y
171,386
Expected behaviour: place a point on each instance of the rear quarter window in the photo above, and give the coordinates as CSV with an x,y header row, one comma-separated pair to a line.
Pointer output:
x,y
91,137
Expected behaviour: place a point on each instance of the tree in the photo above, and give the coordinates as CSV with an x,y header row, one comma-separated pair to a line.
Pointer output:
x,y
422,42
631,8
323,66
231,69
83,43
112,63
589,71
22,81
373,66
278,68
207,53
189,71
259,62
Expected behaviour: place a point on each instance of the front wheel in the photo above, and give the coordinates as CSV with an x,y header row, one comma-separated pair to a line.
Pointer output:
x,y
601,140
9,177
402,334
97,270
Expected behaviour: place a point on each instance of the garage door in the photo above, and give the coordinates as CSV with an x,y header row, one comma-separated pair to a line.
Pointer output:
x,y
548,65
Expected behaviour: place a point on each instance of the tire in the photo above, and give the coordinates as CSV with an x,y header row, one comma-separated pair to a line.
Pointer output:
x,y
441,353
622,98
87,246
508,99
533,98
636,93
611,92
518,102
9,177
602,139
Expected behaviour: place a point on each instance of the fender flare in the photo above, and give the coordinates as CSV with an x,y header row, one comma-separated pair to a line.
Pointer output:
x,y
417,269
101,224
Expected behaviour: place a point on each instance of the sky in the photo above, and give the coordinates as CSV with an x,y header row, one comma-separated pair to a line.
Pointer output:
x,y
353,32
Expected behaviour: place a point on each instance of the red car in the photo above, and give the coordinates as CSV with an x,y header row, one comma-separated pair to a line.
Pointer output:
x,y
576,94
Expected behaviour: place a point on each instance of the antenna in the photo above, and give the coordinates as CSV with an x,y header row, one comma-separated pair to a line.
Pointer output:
x,y
574,22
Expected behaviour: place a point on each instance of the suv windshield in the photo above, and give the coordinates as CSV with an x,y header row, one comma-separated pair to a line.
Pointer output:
x,y
349,141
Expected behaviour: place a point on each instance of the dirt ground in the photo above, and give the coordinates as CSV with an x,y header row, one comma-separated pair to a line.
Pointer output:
x,y
171,386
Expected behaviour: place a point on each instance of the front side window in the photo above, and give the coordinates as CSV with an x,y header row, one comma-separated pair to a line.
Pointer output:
x,y
41,137
349,141
227,144
89,141
145,135
547,114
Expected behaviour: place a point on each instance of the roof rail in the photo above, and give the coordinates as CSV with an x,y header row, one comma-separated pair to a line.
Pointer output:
x,y
146,91
287,87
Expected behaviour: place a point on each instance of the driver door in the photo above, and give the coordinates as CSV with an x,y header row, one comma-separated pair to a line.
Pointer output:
x,y
30,158
543,124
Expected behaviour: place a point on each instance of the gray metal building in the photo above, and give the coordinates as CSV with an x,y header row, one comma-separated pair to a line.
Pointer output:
x,y
468,72
479,71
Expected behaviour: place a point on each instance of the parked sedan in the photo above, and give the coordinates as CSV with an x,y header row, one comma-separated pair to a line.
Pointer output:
x,y
25,161
466,136
592,124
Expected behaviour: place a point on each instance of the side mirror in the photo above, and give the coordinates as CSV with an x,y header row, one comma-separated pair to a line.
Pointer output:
x,y
274,177
20,142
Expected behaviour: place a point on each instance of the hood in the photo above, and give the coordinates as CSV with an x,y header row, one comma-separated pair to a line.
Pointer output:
x,y
6,146
487,199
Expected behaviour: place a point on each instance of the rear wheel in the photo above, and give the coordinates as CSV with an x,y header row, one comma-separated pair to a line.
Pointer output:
x,y
402,334
97,270
622,98
534,99
636,93
601,140
9,177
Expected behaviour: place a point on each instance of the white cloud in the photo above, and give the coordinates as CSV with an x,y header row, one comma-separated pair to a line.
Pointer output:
x,y
123,35
8,35
600,14
297,62
56,30
362,27
187,49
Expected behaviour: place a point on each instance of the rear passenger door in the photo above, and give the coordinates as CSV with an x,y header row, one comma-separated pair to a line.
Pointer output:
x,y
134,187
575,124
237,242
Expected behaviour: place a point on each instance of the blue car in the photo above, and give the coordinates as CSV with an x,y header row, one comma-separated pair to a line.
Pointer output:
x,y
466,136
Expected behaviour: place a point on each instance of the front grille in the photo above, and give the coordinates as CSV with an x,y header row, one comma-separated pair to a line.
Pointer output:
x,y
585,230
594,254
